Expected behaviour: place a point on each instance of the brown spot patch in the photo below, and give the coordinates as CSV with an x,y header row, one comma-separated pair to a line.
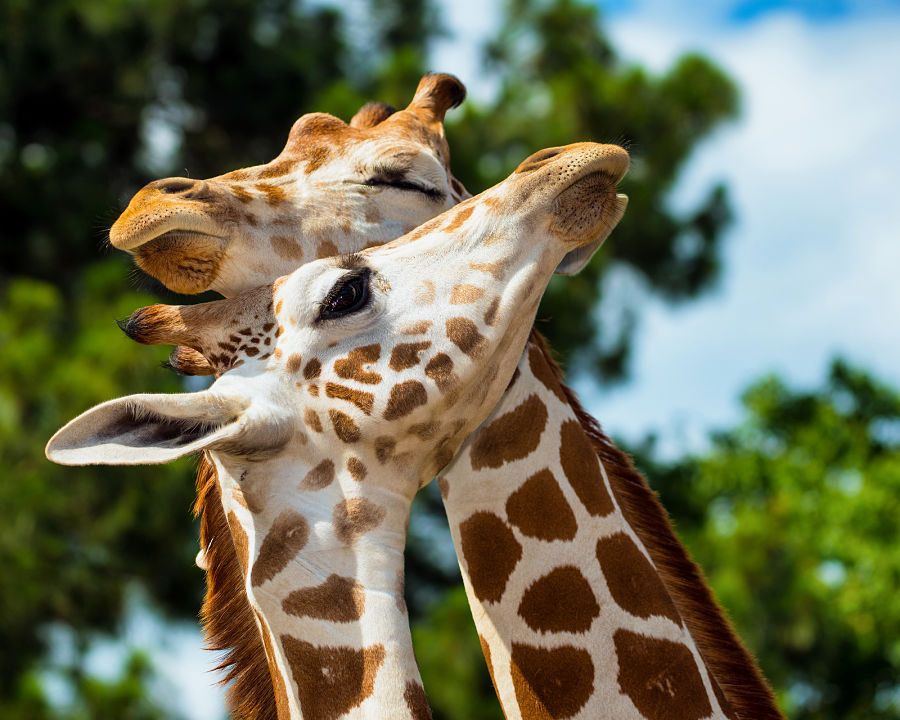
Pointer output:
x,y
496,269
384,448
331,680
458,218
486,651
633,583
354,517
276,168
294,362
551,684
362,400
416,701
440,370
541,369
416,328
539,509
240,540
313,369
357,469
560,601
464,334
582,468
238,496
338,599
491,552
282,705
351,367
287,248
406,355
326,249
322,475
311,418
464,294
312,390
425,293
424,431
274,194
512,436
286,537
405,397
490,315
344,427
660,677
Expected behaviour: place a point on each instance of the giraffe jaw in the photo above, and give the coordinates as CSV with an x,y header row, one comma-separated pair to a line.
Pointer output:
x,y
186,261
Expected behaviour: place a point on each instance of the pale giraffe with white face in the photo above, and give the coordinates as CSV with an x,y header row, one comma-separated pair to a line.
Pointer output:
x,y
488,500
335,188
381,364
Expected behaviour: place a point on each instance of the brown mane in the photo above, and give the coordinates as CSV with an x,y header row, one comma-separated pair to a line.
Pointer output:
x,y
728,661
230,626
227,617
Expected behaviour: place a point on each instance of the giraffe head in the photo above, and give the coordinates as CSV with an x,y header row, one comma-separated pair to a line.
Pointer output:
x,y
335,188
397,352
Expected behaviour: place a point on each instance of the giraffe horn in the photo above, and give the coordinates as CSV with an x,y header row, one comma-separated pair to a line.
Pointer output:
x,y
370,114
436,94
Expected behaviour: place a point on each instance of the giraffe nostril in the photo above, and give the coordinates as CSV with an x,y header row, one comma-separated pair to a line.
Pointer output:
x,y
172,186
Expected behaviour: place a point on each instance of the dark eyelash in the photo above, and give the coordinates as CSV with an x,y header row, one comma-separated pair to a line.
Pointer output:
x,y
394,178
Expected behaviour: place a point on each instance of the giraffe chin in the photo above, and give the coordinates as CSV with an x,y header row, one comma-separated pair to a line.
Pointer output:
x,y
183,260
575,260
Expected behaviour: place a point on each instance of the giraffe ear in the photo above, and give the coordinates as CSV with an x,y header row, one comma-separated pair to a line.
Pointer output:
x,y
148,429
437,93
370,114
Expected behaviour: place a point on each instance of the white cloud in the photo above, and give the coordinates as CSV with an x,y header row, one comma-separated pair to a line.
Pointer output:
x,y
812,261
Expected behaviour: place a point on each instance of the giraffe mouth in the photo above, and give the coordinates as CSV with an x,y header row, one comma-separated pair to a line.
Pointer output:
x,y
185,261
590,206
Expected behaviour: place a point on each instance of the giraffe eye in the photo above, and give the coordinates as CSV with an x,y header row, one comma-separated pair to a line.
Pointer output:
x,y
349,295
395,179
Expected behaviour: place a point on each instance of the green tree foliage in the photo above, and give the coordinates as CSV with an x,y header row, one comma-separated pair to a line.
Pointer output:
x,y
562,82
71,538
451,662
124,698
793,516
90,88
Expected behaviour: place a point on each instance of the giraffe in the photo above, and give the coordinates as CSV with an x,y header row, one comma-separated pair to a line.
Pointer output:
x,y
320,439
335,188
585,602
332,185
496,490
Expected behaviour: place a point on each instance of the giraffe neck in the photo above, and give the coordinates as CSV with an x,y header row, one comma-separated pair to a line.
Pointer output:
x,y
321,560
585,603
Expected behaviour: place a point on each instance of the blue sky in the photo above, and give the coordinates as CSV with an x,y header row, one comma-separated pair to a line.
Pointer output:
x,y
812,263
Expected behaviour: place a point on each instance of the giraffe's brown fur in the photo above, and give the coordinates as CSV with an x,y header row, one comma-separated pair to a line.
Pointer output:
x,y
730,664
227,617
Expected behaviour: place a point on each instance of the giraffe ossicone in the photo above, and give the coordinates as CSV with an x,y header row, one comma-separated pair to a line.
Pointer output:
x,y
344,387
